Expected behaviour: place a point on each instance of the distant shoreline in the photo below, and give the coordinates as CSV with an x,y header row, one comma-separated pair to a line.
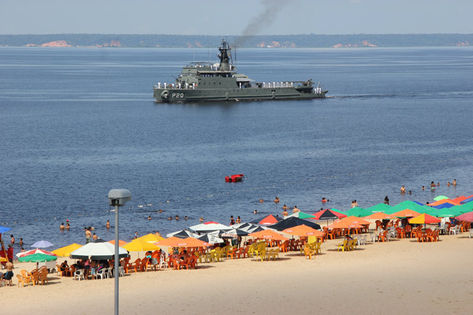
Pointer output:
x,y
258,41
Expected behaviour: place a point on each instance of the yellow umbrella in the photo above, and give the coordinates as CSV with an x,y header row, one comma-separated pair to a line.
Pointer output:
x,y
140,246
66,250
153,238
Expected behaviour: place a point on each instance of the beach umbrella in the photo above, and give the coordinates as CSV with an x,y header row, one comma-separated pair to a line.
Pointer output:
x,y
378,216
209,227
411,205
98,251
182,234
405,213
303,230
441,197
301,215
459,199
349,222
171,241
211,238
66,250
151,237
467,199
4,229
192,242
468,217
380,207
247,227
268,235
120,242
42,244
291,222
267,220
234,233
424,219
328,214
138,245
35,251
358,212
39,257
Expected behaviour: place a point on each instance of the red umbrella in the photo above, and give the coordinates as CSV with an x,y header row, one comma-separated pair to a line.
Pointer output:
x,y
468,217
268,220
35,251
328,214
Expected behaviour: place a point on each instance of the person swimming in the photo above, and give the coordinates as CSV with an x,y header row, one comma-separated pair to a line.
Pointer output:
x,y
276,200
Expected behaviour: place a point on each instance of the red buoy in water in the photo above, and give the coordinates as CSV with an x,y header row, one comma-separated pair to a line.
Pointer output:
x,y
234,178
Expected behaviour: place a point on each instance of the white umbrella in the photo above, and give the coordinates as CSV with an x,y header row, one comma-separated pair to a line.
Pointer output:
x,y
98,251
209,227
182,234
42,244
211,238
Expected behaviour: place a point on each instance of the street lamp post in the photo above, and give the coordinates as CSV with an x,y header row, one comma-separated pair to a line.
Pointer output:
x,y
117,197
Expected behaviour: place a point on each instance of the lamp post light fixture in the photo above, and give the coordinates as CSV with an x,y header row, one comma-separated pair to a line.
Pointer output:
x,y
118,198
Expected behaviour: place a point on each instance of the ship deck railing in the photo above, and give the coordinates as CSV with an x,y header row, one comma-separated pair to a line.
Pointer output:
x,y
242,85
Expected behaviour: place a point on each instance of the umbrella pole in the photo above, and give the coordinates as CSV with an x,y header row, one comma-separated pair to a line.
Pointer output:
x,y
117,272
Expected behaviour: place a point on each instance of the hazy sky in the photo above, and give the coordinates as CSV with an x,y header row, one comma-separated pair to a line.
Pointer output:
x,y
217,17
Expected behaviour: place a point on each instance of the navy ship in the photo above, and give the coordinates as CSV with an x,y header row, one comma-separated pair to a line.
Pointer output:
x,y
220,82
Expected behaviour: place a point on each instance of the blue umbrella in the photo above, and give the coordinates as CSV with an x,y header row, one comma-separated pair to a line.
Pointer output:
x,y
4,229
41,244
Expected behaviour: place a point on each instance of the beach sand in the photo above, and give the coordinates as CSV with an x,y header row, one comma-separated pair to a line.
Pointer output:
x,y
382,278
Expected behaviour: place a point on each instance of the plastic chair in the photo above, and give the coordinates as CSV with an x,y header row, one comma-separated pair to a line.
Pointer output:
x,y
79,274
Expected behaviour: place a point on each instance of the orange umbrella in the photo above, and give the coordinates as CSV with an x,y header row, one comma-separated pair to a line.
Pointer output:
x,y
440,202
406,213
303,230
171,241
179,242
379,216
269,235
192,242
349,223
120,242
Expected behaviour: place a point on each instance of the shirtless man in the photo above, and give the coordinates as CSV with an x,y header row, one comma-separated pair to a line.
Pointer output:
x,y
107,225
62,227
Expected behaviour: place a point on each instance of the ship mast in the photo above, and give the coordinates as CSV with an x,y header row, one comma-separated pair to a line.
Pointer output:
x,y
225,57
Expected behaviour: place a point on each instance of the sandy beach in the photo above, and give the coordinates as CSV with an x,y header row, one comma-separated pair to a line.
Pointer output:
x,y
401,276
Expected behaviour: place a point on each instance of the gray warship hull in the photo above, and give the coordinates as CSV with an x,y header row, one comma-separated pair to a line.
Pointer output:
x,y
220,82
183,95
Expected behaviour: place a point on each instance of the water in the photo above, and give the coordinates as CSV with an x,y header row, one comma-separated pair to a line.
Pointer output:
x,y
75,123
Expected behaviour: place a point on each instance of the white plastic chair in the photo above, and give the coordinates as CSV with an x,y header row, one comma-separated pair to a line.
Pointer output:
x,y
79,274
471,233
101,273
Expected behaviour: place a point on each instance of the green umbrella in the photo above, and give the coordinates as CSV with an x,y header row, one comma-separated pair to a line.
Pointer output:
x,y
37,258
302,215
440,197
380,207
409,205
358,212
445,212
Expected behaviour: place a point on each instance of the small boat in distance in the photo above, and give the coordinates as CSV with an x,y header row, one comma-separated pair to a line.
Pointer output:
x,y
234,178
207,82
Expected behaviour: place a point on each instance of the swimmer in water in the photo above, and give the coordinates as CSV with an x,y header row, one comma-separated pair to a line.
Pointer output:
x,y
284,207
107,225
170,218
201,219
177,217
61,227
276,200
160,210
149,218
261,201
255,211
